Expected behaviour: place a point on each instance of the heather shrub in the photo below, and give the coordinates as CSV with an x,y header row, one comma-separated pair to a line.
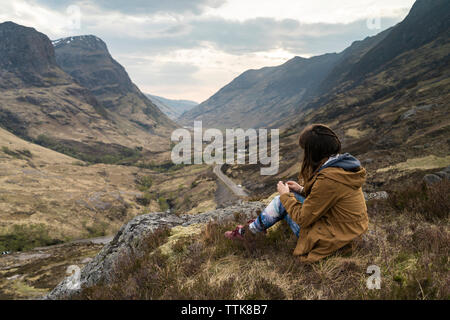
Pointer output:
x,y
430,202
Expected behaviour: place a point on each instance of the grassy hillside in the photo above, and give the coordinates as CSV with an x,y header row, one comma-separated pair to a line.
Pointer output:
x,y
53,197
409,241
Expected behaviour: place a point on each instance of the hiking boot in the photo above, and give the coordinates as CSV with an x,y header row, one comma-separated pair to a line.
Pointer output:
x,y
236,234
241,232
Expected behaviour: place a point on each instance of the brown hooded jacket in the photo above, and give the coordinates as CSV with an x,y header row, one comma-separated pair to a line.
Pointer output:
x,y
332,215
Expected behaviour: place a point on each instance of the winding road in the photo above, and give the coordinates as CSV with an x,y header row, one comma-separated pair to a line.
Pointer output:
x,y
228,182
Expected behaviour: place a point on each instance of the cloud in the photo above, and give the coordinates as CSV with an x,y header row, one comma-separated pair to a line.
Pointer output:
x,y
307,11
190,49
140,7
195,74
235,37
154,72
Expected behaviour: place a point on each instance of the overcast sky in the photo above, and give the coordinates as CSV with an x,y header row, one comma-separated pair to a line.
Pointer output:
x,y
189,49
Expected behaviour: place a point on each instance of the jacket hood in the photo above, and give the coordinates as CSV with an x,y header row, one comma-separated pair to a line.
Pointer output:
x,y
352,175
345,161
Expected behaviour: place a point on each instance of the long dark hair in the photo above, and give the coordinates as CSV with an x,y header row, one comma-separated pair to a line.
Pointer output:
x,y
318,142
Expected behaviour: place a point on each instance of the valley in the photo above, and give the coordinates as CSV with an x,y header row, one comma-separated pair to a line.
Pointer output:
x,y
85,168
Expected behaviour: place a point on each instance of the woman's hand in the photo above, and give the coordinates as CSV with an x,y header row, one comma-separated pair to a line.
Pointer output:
x,y
294,186
282,188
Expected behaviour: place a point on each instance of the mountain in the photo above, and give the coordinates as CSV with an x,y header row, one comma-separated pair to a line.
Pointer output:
x,y
394,71
271,95
172,108
277,96
41,102
259,97
37,96
168,111
27,58
427,20
88,61
348,58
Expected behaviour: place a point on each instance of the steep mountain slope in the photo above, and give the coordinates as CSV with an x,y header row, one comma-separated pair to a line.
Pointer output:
x,y
88,61
273,96
27,57
168,111
396,72
427,20
37,97
348,58
42,103
260,97
270,96
172,108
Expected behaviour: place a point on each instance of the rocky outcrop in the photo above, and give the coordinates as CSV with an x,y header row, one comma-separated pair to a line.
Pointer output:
x,y
25,49
130,235
27,58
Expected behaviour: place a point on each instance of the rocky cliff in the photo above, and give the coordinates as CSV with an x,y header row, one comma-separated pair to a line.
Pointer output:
x,y
27,57
88,61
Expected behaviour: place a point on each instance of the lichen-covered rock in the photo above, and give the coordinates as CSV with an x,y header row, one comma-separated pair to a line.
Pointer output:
x,y
132,233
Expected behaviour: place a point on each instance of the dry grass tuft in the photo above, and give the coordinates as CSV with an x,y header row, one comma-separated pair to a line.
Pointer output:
x,y
430,202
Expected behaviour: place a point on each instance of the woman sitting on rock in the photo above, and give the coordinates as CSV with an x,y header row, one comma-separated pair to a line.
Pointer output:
x,y
329,211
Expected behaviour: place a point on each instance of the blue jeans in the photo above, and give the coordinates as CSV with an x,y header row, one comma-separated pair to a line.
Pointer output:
x,y
273,213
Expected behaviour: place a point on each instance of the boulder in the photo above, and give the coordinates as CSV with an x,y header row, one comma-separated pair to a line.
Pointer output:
x,y
430,179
